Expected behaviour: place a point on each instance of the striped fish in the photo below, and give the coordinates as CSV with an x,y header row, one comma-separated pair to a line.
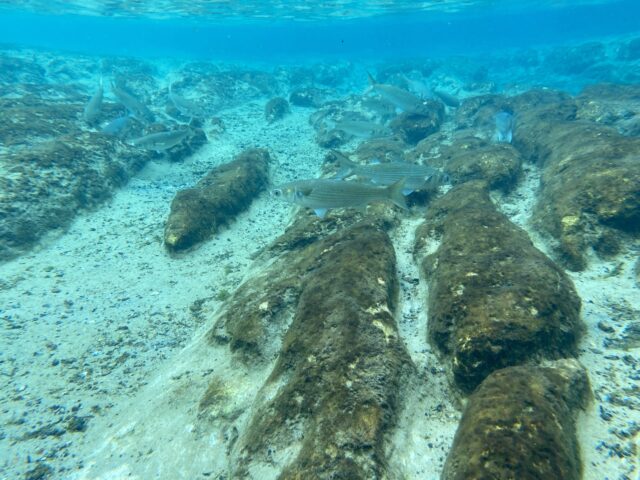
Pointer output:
x,y
402,99
161,140
323,194
135,106
415,177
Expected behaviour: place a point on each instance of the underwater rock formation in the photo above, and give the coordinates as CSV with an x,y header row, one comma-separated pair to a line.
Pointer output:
x,y
494,299
198,212
471,158
609,104
520,423
307,97
590,183
45,186
414,126
276,109
334,388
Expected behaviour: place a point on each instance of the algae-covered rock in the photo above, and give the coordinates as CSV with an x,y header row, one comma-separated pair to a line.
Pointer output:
x,y
307,97
276,109
520,424
609,104
43,187
590,183
471,158
198,212
333,393
494,299
414,126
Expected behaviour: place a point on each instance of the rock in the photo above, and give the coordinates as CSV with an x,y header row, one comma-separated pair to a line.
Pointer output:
x,y
331,138
590,184
470,158
630,50
198,212
276,109
574,60
381,150
307,97
494,299
45,186
413,127
334,389
520,423
42,471
609,104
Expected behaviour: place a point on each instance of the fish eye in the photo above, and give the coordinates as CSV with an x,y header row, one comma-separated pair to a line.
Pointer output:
x,y
276,192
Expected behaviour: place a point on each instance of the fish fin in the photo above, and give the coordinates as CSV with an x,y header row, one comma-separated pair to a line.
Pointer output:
x,y
375,161
346,168
372,81
407,191
509,136
320,212
396,195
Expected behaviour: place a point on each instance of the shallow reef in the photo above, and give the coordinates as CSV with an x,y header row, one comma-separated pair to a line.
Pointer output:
x,y
494,299
520,423
198,212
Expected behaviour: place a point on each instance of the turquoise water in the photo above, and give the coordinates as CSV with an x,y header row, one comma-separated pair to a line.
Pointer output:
x,y
359,32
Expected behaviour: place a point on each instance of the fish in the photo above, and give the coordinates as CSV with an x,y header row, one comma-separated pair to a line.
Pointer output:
x,y
400,98
504,127
448,99
419,88
361,128
116,126
325,193
161,140
185,106
93,108
135,106
416,177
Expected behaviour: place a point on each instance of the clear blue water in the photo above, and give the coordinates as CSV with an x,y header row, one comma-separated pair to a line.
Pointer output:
x,y
354,30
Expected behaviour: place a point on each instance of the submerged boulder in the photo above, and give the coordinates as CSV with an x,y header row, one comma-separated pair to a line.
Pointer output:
x,y
198,212
520,423
44,187
471,158
333,392
276,109
590,184
414,126
494,299
609,104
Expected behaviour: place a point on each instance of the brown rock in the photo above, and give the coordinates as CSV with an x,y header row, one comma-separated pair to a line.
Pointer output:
x,y
494,299
520,423
198,212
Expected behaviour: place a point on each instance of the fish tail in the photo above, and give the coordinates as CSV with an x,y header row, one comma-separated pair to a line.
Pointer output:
x,y
395,194
346,167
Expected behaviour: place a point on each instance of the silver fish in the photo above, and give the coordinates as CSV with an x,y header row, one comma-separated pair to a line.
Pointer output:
x,y
185,106
402,99
116,126
415,176
448,99
362,128
135,106
161,140
323,194
419,88
92,109
504,127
